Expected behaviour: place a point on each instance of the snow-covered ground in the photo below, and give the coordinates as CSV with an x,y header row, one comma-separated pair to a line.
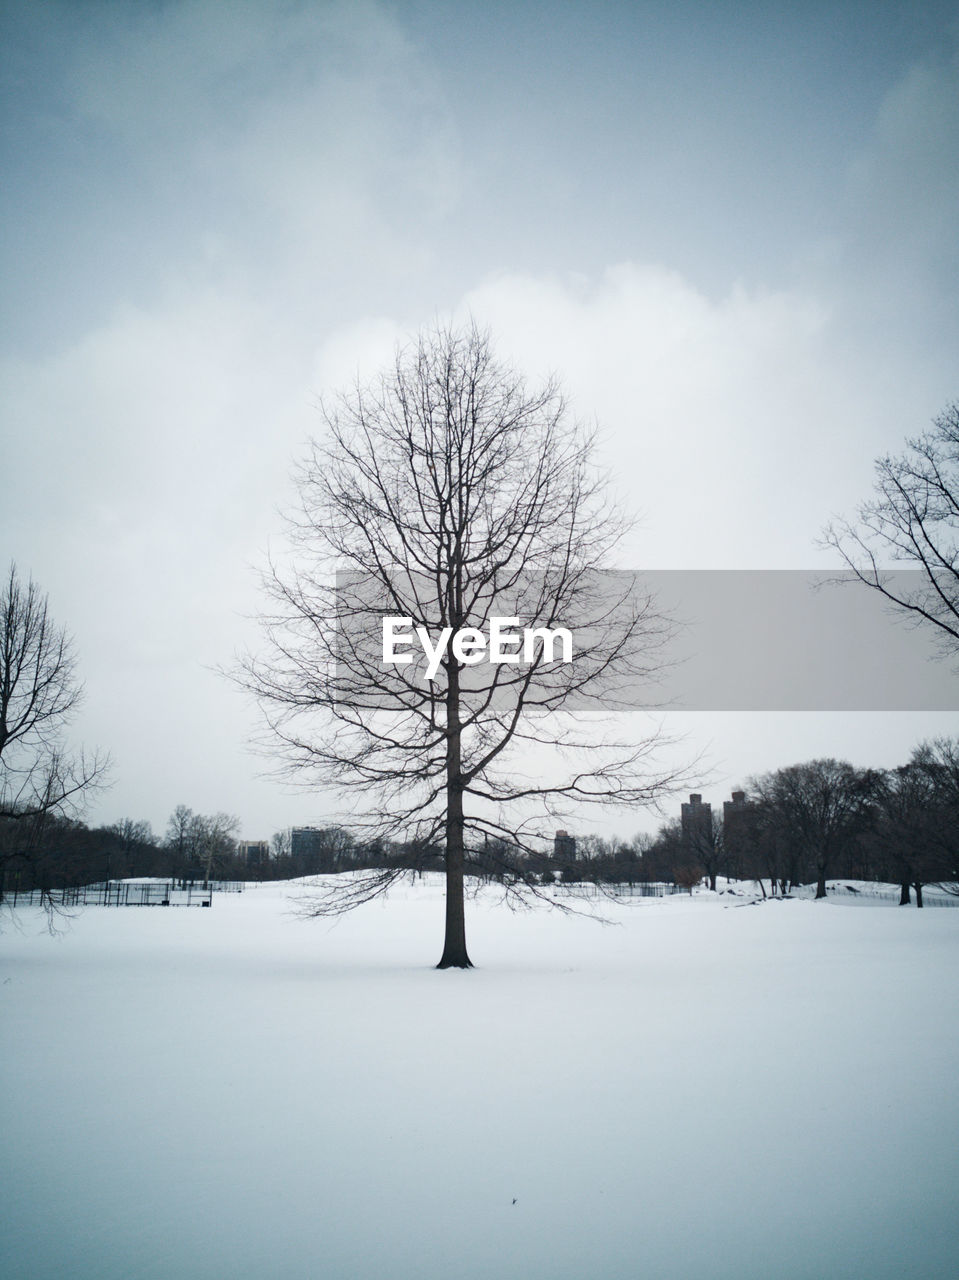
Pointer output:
x,y
704,1089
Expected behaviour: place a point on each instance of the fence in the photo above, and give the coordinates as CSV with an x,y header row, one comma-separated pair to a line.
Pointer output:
x,y
126,893
638,889
932,895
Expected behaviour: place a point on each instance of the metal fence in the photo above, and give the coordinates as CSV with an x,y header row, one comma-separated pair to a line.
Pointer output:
x,y
126,893
932,895
638,889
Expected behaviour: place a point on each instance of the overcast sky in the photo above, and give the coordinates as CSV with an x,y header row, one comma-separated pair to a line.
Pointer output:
x,y
732,229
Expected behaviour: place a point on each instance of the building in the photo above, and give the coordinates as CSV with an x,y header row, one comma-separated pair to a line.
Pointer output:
x,y
564,847
316,850
735,814
697,824
308,847
740,831
253,852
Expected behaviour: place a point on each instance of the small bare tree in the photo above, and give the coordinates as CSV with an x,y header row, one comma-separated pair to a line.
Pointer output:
x,y
281,844
216,841
181,838
913,520
201,841
452,493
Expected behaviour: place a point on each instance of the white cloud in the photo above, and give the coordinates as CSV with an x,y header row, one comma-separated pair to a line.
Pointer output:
x,y
737,426
301,135
716,415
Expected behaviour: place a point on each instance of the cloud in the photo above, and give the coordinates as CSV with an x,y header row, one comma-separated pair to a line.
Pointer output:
x,y
905,185
300,151
736,425
715,414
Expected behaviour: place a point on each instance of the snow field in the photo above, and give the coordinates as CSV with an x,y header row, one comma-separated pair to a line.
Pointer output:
x,y
703,1089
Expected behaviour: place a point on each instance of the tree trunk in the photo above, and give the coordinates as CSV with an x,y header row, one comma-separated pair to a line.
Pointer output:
x,y
904,898
821,883
454,947
917,885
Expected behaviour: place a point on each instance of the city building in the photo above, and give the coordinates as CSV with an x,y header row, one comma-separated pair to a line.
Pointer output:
x,y
740,819
697,823
253,852
564,846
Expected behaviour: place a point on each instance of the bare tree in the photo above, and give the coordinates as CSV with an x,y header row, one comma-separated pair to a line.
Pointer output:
x,y
199,841
816,810
688,875
709,849
180,838
913,828
914,520
938,761
760,844
132,837
215,841
40,777
702,840
451,493
281,844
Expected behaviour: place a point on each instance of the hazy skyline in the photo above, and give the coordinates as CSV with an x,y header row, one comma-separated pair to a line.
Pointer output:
x,y
732,230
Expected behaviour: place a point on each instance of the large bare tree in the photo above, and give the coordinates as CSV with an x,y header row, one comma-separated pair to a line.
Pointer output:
x,y
40,777
447,492
938,760
39,693
813,812
913,521
914,827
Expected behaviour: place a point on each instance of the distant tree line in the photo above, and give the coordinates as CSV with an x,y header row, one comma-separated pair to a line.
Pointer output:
x,y
52,851
807,823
